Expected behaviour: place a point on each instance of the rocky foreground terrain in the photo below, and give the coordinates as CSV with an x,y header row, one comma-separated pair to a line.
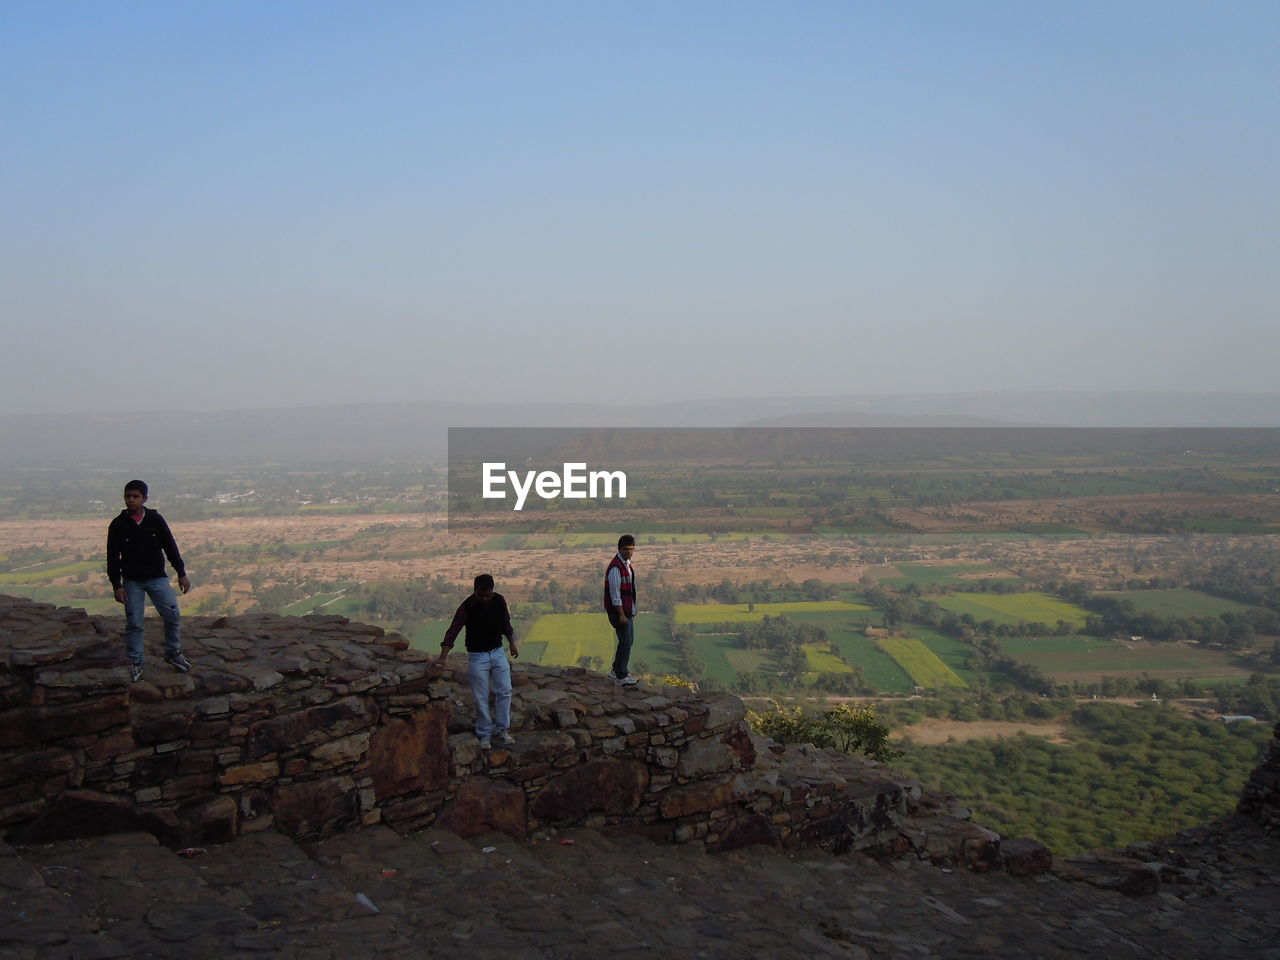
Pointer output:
x,y
300,743
373,893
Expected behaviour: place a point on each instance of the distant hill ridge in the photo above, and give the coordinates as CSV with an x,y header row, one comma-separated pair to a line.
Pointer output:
x,y
418,431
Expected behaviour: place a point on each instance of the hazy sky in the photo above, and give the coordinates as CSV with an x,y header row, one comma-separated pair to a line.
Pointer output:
x,y
228,205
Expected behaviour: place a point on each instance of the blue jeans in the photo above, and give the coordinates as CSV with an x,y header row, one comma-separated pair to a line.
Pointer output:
x,y
135,604
626,634
490,673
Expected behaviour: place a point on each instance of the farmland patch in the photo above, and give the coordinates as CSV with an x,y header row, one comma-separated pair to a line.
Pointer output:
x,y
1088,659
935,731
921,663
652,645
822,660
1011,608
570,636
691,613
926,574
66,596
429,635
42,572
881,670
753,661
950,650
1179,603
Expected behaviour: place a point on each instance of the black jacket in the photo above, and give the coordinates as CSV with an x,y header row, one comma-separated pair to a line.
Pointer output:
x,y
136,551
486,624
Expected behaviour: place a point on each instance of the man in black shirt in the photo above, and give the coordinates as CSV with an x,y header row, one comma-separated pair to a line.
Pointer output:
x,y
138,541
485,616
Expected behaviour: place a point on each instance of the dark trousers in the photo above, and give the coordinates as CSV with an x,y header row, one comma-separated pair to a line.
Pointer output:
x,y
626,634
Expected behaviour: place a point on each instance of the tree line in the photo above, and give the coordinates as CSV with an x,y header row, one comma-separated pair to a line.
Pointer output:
x,y
1129,774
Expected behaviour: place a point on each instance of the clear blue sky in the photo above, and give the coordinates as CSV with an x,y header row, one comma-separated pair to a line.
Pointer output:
x,y
228,205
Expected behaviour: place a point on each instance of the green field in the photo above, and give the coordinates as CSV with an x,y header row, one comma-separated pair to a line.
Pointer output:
x,y
1224,525
753,661
333,603
652,647
1014,608
50,571
67,597
1052,529
559,639
753,613
1088,658
430,633
720,653
1081,644
355,608
569,636
532,652
881,670
823,661
1178,603
846,628
920,662
952,651
503,541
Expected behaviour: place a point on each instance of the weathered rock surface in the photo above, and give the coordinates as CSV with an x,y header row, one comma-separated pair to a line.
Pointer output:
x,y
309,725
296,742
373,893
1260,798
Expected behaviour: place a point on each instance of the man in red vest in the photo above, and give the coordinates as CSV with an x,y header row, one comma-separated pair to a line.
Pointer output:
x,y
620,605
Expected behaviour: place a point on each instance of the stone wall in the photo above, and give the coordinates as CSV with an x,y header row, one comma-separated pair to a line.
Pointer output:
x,y
1260,798
311,724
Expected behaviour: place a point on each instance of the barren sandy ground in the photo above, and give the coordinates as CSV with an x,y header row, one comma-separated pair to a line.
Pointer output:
x,y
409,547
932,732
419,546
90,536
1085,513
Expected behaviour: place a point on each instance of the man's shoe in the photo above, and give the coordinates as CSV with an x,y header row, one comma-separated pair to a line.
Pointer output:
x,y
627,681
180,663
485,744
135,672
505,738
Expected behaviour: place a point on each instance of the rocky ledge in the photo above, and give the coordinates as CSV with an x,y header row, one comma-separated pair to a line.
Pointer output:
x,y
307,726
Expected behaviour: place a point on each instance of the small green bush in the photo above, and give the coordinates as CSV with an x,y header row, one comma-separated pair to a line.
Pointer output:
x,y
844,728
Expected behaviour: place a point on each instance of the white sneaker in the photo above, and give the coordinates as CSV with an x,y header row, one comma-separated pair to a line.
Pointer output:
x,y
627,681
505,738
485,744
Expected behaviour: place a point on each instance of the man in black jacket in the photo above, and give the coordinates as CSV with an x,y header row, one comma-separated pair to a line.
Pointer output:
x,y
137,543
487,620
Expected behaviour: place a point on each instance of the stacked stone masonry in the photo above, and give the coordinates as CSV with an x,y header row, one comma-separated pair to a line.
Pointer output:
x,y
310,725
